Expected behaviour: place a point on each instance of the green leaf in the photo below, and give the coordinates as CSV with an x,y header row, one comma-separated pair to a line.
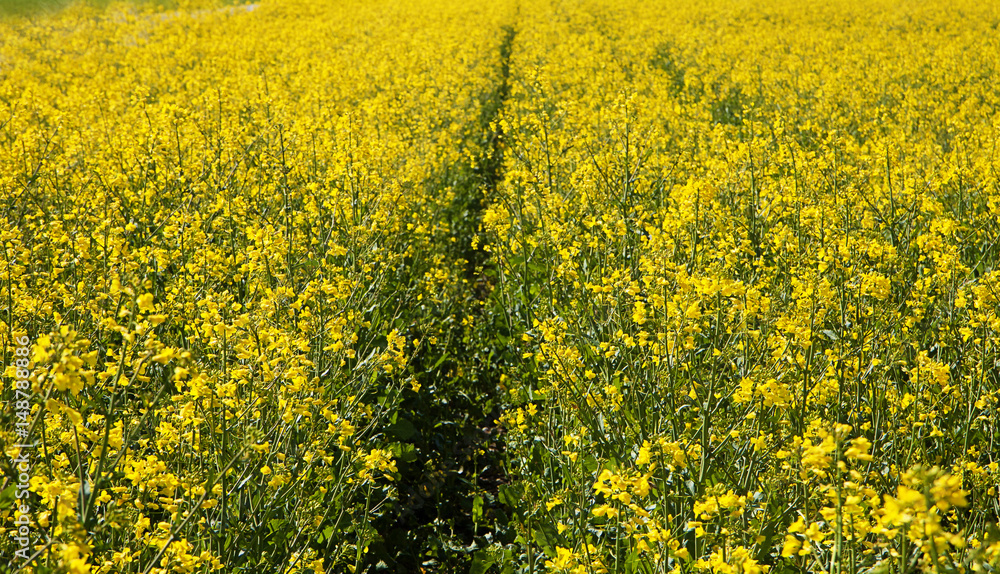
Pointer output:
x,y
546,535
439,361
7,496
511,495
403,429
325,535
404,451
477,508
481,562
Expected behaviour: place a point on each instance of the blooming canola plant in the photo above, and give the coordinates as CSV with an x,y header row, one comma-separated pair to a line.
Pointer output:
x,y
727,271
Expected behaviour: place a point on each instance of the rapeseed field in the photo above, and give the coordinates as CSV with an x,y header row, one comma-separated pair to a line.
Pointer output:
x,y
601,286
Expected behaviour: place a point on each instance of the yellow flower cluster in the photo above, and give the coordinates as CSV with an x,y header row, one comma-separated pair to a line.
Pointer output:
x,y
735,264
220,224
752,248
